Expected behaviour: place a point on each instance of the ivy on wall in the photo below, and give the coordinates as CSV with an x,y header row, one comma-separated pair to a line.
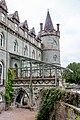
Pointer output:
x,y
9,92
49,100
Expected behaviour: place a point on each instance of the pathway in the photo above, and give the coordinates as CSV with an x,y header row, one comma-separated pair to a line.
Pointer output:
x,y
18,114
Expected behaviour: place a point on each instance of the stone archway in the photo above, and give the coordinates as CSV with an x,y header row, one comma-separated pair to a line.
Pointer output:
x,y
22,98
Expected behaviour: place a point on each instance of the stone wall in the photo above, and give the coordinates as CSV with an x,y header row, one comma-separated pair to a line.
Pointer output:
x,y
66,112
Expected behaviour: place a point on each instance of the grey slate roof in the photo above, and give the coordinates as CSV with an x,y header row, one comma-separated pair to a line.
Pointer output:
x,y
48,23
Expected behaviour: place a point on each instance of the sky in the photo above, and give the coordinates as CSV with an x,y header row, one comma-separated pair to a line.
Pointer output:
x,y
64,12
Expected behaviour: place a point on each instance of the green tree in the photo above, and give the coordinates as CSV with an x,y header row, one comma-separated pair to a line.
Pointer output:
x,y
9,93
72,77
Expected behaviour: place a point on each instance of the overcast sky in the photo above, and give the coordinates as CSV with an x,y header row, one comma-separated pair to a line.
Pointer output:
x,y
64,12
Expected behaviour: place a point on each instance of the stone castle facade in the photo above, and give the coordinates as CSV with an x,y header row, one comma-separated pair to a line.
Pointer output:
x,y
19,44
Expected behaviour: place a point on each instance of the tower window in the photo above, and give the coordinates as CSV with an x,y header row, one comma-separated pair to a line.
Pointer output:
x,y
55,43
55,57
2,38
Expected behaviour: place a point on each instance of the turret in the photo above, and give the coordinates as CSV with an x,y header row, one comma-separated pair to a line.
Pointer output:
x,y
50,41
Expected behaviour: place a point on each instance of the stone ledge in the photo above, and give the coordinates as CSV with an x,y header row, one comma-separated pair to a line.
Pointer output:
x,y
71,106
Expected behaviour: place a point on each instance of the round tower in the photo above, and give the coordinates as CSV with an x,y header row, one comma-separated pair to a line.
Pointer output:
x,y
50,41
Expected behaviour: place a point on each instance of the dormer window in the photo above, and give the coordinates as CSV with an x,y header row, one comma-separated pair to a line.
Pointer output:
x,y
2,17
26,34
16,27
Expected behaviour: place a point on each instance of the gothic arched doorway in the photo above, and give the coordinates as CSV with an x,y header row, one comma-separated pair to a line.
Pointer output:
x,y
22,98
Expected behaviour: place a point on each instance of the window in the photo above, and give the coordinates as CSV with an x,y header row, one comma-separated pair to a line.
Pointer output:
x,y
1,73
3,17
55,57
16,27
33,54
16,46
26,50
39,56
2,38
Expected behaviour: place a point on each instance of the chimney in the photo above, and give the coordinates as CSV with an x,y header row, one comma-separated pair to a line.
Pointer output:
x,y
41,26
57,27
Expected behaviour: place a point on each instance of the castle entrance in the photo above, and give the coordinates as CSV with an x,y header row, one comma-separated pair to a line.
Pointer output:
x,y
22,99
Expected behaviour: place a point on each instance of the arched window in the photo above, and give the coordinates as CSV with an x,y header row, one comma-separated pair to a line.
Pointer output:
x,y
55,57
16,46
1,73
2,39
26,50
33,54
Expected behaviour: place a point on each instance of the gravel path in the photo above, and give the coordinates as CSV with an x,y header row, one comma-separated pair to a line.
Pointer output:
x,y
18,114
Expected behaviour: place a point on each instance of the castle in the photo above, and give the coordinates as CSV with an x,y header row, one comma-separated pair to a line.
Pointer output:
x,y
19,44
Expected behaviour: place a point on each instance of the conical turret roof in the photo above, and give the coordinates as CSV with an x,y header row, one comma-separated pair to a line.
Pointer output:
x,y
48,23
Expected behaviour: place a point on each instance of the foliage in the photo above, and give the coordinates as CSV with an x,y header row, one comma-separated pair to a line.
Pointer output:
x,y
48,103
49,99
72,77
9,93
76,116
